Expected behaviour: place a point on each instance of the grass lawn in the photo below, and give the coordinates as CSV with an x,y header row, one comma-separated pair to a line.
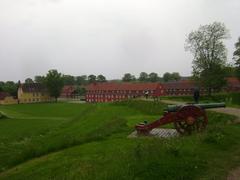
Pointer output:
x,y
231,99
89,141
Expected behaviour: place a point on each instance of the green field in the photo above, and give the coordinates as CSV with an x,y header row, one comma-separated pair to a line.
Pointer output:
x,y
89,141
231,99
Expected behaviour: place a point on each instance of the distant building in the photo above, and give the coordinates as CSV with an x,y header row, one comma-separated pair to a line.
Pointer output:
x,y
181,88
68,91
33,93
233,84
5,99
107,92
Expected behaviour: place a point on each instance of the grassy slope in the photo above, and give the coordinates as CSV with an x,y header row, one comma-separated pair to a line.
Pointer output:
x,y
93,145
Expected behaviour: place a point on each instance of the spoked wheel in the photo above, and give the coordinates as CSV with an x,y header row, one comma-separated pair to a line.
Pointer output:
x,y
189,119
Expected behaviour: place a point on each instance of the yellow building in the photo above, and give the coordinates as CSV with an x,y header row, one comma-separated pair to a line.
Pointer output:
x,y
5,99
33,93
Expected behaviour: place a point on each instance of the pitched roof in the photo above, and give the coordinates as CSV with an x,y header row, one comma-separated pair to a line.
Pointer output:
x,y
122,86
3,95
184,84
33,87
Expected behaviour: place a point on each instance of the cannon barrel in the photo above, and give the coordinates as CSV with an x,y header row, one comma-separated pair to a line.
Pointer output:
x,y
175,108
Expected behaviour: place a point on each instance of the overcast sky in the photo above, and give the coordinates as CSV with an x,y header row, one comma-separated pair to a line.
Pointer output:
x,y
109,37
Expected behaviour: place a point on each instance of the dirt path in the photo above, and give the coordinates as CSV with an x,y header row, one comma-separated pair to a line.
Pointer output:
x,y
235,173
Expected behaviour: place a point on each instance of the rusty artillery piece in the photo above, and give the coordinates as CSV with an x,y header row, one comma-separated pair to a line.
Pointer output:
x,y
186,118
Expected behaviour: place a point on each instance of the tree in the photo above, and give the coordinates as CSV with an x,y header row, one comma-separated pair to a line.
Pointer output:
x,y
101,78
209,52
81,80
81,91
54,83
153,77
143,77
39,79
230,70
29,81
167,77
236,57
10,87
68,80
176,76
1,86
92,78
128,77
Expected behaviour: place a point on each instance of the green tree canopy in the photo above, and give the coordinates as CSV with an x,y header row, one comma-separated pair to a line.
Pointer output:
x,y
128,77
39,79
143,77
153,77
175,76
68,80
101,78
236,57
10,87
28,81
81,80
92,78
54,83
209,52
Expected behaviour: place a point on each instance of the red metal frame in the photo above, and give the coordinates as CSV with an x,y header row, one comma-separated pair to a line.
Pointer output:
x,y
186,119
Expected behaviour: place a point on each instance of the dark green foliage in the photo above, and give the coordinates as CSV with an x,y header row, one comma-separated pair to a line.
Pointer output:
x,y
175,76
54,82
153,77
9,87
29,81
92,78
236,57
128,77
209,52
143,77
101,78
81,80
39,79
68,80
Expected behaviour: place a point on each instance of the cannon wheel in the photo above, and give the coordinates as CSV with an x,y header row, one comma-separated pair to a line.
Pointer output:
x,y
190,118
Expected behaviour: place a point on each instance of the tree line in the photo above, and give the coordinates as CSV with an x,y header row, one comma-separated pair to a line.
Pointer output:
x,y
210,67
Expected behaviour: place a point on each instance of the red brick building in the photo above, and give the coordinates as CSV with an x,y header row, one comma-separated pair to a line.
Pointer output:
x,y
181,88
107,92
233,84
68,91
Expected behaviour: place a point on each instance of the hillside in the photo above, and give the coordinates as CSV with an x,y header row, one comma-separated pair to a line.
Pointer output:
x,y
89,141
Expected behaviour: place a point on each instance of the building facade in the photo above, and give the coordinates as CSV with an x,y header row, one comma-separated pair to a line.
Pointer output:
x,y
33,93
6,98
109,92
181,88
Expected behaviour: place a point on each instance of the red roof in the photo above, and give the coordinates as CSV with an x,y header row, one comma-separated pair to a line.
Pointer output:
x,y
3,95
122,86
184,84
33,87
233,82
